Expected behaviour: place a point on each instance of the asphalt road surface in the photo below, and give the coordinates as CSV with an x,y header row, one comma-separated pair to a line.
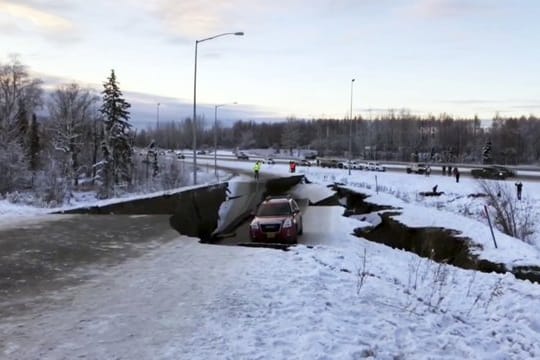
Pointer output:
x,y
40,258
529,173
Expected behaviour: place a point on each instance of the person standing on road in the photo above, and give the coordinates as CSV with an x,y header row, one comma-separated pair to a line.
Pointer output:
x,y
519,187
292,165
456,174
257,169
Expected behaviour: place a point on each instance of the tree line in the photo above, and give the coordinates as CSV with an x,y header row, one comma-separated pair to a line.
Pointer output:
x,y
79,141
399,136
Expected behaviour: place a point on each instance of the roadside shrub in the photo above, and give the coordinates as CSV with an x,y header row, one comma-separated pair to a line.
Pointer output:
x,y
174,176
51,189
511,216
14,174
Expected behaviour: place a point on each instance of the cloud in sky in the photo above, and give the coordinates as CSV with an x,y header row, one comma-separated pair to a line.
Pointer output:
x,y
198,18
43,21
521,105
445,8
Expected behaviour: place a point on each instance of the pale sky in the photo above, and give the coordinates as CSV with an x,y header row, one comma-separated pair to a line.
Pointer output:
x,y
297,58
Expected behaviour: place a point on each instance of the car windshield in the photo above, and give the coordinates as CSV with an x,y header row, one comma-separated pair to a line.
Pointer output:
x,y
274,209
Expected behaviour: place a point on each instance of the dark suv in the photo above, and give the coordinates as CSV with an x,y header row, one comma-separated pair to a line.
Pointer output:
x,y
277,219
492,172
242,156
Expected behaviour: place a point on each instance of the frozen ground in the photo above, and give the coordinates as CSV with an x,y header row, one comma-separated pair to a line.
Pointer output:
x,y
346,298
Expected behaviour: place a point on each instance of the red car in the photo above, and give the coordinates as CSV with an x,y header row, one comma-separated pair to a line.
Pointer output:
x,y
278,220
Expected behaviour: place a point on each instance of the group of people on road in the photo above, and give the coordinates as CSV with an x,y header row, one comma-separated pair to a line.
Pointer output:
x,y
257,169
258,164
451,171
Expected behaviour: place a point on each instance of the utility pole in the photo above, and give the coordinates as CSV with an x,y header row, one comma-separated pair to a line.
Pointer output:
x,y
350,130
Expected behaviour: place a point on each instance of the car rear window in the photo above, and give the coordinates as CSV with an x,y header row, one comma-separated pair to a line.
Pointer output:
x,y
277,209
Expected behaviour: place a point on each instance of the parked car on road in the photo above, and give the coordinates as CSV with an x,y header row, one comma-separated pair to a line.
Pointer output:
x,y
331,163
374,166
355,165
242,156
303,162
506,171
201,152
417,168
277,220
492,172
344,164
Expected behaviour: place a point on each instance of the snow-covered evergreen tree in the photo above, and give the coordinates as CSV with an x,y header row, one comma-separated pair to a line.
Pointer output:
x,y
104,173
34,144
486,153
117,146
152,157
21,124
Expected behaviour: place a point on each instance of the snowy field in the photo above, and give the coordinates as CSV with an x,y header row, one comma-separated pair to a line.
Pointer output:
x,y
346,298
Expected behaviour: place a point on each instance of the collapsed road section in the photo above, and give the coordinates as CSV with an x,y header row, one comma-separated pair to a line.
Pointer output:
x,y
70,247
205,212
53,254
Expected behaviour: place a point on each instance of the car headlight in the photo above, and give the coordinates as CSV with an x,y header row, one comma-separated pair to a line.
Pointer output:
x,y
254,226
287,223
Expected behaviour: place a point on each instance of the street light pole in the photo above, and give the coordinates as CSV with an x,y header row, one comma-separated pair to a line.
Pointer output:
x,y
157,117
215,135
194,120
350,129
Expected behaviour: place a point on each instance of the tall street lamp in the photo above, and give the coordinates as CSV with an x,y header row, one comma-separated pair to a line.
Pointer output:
x,y
215,134
157,117
194,120
350,129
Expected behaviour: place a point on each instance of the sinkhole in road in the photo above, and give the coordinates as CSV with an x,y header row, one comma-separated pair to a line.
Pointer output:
x,y
220,215
439,244
236,232
197,214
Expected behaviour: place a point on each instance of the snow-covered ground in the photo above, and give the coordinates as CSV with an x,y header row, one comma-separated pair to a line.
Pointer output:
x,y
344,298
